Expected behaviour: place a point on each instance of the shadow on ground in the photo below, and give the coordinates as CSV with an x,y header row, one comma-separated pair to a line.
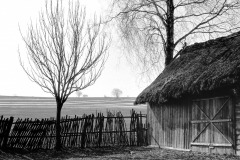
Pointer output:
x,y
110,153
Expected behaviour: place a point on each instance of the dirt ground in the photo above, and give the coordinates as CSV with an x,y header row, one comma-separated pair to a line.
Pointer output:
x,y
122,153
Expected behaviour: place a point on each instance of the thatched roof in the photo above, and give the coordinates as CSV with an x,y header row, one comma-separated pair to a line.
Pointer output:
x,y
201,67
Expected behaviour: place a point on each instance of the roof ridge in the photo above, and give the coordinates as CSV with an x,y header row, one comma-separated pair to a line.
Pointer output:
x,y
211,65
215,41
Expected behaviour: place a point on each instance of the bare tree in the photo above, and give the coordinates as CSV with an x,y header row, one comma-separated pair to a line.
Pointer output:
x,y
65,52
155,29
116,92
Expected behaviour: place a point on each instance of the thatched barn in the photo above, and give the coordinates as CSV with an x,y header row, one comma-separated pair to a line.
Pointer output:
x,y
194,104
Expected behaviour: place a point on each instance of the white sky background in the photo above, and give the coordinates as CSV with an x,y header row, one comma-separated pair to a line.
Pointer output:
x,y
14,81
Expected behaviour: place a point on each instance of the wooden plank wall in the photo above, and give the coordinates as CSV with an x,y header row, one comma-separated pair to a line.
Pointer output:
x,y
237,115
169,125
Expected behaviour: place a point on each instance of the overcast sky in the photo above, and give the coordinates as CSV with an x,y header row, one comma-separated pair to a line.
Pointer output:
x,y
117,73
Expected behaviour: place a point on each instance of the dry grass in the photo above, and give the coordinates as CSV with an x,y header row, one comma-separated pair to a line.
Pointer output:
x,y
112,153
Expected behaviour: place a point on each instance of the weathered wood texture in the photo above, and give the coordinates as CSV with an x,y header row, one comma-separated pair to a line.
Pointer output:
x,y
213,125
237,124
205,125
169,125
87,131
5,127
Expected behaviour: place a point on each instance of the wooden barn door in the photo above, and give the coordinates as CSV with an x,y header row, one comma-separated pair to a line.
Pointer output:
x,y
212,125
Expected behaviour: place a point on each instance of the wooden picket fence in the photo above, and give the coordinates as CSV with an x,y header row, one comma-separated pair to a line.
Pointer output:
x,y
86,131
5,127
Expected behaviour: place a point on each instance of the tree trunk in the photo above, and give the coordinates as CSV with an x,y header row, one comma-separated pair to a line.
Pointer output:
x,y
58,126
170,32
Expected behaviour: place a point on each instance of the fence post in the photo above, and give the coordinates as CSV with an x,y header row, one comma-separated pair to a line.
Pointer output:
x,y
7,132
138,138
141,129
100,130
84,132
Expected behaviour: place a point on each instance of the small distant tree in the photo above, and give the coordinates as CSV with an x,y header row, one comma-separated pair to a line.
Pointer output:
x,y
85,95
78,93
116,92
65,53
